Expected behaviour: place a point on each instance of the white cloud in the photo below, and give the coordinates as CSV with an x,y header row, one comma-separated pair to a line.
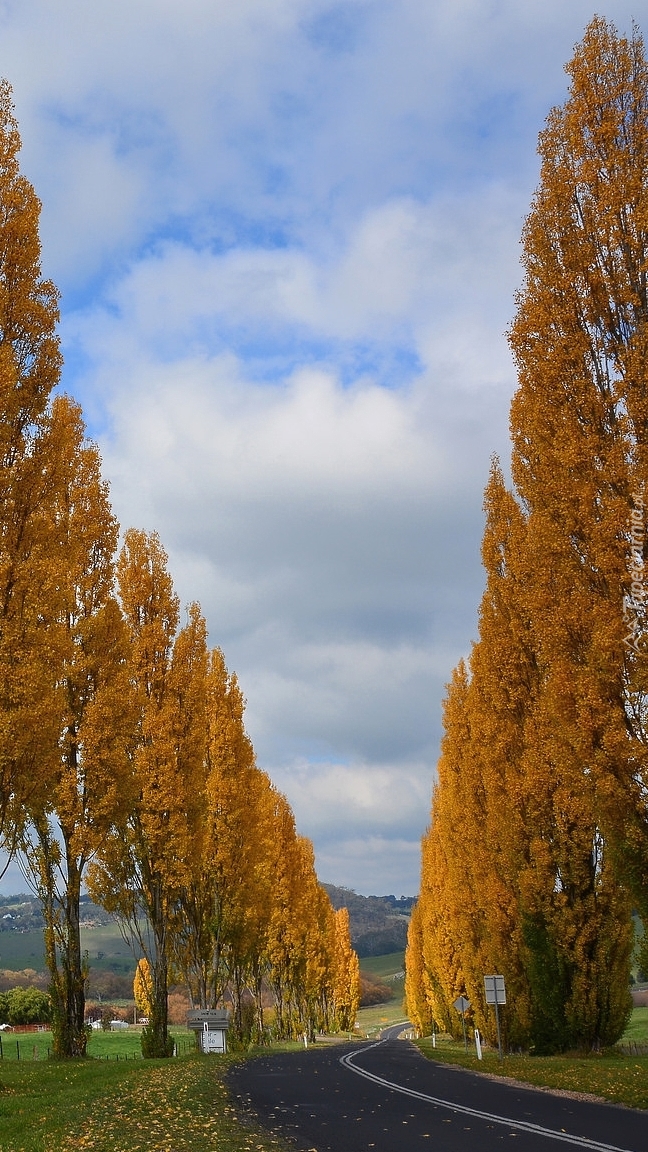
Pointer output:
x,y
334,800
226,117
378,864
403,267
329,530
287,234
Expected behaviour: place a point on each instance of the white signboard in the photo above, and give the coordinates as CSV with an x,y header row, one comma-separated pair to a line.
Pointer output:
x,y
213,1040
495,990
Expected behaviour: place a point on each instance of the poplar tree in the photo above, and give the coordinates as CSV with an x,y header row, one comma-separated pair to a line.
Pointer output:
x,y
288,918
146,862
30,365
448,909
552,718
480,828
417,984
142,987
579,417
443,978
503,680
87,782
219,920
347,974
59,627
314,976
578,423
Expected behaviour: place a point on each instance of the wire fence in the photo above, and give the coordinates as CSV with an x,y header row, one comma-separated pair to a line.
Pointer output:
x,y
633,1048
26,1050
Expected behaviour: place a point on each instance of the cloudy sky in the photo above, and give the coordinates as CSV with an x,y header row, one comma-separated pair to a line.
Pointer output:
x,y
286,233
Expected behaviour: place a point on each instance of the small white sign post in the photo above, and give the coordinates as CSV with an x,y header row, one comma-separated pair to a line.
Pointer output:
x,y
495,994
462,1004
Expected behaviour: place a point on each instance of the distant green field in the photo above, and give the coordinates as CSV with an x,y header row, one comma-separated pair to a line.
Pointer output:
x,y
20,950
107,949
30,1046
383,966
105,946
378,1016
107,952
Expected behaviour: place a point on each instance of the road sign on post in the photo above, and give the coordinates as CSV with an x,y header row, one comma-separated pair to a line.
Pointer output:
x,y
462,1004
495,994
495,990
210,1026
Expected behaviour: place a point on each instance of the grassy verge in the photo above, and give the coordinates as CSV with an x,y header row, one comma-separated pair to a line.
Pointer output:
x,y
123,1106
371,1020
612,1076
637,1030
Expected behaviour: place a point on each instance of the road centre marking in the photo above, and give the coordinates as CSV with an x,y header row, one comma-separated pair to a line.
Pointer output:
x,y
521,1125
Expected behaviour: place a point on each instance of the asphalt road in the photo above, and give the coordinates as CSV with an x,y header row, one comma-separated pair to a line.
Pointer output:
x,y
386,1096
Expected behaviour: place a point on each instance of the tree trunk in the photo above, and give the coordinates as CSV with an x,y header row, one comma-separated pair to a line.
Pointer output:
x,y
156,1042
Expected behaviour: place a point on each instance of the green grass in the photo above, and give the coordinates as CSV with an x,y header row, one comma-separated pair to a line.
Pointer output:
x,y
378,1016
383,966
107,950
612,1076
371,1020
30,1046
125,1106
105,946
19,950
637,1030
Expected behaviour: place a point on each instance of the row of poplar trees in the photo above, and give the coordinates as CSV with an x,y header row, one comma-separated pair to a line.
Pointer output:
x,y
537,851
124,762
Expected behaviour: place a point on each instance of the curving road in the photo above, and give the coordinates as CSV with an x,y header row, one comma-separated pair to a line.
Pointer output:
x,y
387,1097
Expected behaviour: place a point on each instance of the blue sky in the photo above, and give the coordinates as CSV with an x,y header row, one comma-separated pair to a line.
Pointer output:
x,y
286,233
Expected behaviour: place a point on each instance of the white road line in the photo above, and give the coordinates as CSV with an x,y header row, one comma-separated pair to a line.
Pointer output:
x,y
521,1125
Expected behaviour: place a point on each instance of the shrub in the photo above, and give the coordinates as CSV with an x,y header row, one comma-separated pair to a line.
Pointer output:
x,y
25,1006
373,990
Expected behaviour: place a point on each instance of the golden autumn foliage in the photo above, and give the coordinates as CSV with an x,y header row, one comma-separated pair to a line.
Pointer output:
x,y
61,653
194,868
143,987
418,991
223,906
145,863
205,868
123,753
346,991
29,369
579,455
539,834
579,418
87,769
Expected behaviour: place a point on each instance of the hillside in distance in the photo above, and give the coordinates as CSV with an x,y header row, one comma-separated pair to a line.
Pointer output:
x,y
22,913
378,926
378,923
